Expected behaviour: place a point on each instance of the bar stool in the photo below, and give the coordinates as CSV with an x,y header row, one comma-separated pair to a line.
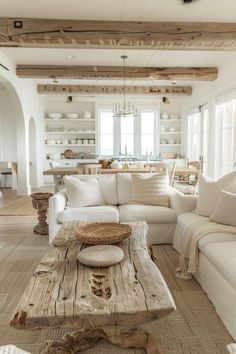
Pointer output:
x,y
4,175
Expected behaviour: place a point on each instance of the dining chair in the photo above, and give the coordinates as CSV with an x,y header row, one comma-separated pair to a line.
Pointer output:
x,y
159,167
92,169
58,180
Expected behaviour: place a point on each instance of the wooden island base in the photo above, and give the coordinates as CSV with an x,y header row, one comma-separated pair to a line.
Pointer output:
x,y
83,339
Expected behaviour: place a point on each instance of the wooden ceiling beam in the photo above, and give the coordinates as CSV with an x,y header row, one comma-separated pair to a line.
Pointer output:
x,y
116,72
100,90
50,33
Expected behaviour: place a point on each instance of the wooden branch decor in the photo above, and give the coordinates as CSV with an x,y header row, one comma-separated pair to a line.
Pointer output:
x,y
84,339
50,33
116,72
111,90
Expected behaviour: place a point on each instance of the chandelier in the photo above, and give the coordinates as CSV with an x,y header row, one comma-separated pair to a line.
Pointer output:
x,y
126,109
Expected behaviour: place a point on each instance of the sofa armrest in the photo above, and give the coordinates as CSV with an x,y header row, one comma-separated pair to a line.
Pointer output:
x,y
56,203
183,203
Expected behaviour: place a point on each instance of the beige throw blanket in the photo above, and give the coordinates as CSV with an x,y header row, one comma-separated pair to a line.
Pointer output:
x,y
188,259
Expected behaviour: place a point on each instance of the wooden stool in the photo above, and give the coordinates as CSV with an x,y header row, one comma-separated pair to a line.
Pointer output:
x,y
40,202
5,174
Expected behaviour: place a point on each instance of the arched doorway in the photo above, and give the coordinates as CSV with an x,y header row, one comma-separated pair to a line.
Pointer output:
x,y
14,146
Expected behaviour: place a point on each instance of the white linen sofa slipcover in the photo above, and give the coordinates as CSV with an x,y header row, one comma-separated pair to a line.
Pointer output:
x,y
217,262
116,192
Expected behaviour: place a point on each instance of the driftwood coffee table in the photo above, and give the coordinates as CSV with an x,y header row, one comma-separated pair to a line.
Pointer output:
x,y
108,303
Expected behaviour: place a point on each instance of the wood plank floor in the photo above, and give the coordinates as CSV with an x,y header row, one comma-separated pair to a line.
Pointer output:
x,y
194,328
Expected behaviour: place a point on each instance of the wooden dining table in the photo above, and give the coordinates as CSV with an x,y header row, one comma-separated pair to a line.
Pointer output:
x,y
63,171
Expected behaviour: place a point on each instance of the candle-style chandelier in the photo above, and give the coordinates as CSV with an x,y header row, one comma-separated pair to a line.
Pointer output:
x,y
126,109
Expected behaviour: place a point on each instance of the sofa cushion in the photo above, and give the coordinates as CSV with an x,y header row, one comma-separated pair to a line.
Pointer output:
x,y
124,187
96,213
107,185
223,256
150,189
152,214
83,193
225,210
209,191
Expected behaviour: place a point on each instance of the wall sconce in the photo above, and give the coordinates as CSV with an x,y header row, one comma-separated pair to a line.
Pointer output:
x,y
69,99
165,100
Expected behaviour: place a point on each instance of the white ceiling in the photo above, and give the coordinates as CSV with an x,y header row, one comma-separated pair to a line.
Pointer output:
x,y
124,10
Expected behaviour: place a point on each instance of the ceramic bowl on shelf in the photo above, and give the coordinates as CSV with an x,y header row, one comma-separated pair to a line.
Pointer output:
x,y
50,142
163,128
72,115
55,115
172,129
174,116
171,141
165,115
87,115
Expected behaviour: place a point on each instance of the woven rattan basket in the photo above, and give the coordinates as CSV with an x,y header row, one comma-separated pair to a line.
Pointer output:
x,y
103,233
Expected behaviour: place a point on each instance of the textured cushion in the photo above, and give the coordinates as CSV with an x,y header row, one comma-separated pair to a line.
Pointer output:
x,y
107,186
225,210
223,256
150,189
209,191
95,213
82,193
150,213
124,185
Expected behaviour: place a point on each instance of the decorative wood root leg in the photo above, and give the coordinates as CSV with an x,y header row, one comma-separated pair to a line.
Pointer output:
x,y
83,339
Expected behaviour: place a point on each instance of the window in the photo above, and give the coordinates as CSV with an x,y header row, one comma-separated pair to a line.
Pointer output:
x,y
205,140
225,138
136,135
194,136
127,135
147,132
106,122
198,137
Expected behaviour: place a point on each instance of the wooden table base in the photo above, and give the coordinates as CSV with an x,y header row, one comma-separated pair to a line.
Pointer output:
x,y
83,339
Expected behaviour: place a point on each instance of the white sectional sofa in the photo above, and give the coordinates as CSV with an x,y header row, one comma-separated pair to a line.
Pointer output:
x,y
216,270
116,192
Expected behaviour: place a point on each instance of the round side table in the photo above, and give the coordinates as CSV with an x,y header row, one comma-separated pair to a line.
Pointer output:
x,y
40,202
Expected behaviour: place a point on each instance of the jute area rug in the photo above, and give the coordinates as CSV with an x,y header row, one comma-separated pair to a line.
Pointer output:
x,y
194,328
19,207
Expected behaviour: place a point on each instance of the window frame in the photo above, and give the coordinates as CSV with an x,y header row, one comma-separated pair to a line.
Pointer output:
x,y
137,131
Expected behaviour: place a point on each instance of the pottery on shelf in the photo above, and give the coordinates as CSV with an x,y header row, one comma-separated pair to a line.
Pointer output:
x,y
87,115
72,115
55,115
165,115
172,129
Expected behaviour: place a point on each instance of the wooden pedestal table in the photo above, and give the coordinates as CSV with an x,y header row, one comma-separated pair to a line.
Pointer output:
x,y
40,202
109,303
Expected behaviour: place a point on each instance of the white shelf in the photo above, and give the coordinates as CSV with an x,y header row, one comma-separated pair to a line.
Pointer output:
x,y
68,145
70,120
170,120
78,132
170,133
170,144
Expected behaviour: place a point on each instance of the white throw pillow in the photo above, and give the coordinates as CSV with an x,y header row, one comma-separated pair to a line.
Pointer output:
x,y
209,191
83,193
151,189
225,210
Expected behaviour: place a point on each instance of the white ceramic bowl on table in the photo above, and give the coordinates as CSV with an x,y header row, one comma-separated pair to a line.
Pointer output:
x,y
55,115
